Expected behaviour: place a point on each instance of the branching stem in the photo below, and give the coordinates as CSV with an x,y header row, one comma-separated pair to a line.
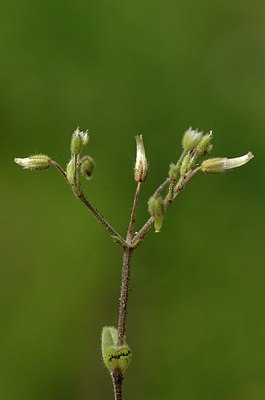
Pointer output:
x,y
128,246
101,219
133,213
92,208
146,227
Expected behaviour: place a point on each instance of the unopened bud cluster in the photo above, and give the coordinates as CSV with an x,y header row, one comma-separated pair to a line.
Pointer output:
x,y
86,164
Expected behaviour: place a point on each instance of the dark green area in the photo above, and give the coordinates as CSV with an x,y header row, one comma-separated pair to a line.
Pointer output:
x,y
196,311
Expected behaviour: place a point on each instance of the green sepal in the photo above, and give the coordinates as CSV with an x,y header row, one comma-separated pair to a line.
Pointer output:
x,y
76,144
157,210
173,172
70,171
185,166
205,145
87,165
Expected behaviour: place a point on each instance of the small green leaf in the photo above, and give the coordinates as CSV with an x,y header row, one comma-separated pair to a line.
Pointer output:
x,y
115,357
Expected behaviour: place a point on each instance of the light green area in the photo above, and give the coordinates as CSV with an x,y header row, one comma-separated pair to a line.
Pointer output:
x,y
196,306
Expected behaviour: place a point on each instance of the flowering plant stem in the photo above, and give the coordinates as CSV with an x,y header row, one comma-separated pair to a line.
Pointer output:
x,y
115,351
128,246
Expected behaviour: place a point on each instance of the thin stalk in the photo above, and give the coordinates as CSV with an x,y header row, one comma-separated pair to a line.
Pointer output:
x,y
117,384
92,208
133,213
125,278
117,376
185,181
59,168
101,219
162,187
146,227
169,181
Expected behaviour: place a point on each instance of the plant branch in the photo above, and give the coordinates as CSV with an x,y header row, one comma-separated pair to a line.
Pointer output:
x,y
117,378
167,181
59,168
101,219
162,187
133,213
142,232
119,239
127,252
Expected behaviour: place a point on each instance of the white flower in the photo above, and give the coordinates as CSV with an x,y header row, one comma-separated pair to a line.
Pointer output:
x,y
216,165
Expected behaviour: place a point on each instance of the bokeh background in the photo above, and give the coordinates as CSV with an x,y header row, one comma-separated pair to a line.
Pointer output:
x,y
196,309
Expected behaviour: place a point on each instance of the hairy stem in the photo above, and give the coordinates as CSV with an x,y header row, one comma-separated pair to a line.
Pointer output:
x,y
117,384
59,168
100,218
168,181
119,239
162,187
117,376
146,227
124,294
133,213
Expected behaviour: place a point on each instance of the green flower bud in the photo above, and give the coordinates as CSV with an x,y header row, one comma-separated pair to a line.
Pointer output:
x,y
141,166
87,165
173,172
114,357
217,165
78,142
157,210
190,139
71,172
205,144
35,162
185,166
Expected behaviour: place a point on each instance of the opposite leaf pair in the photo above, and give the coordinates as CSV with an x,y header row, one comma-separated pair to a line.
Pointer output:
x,y
116,358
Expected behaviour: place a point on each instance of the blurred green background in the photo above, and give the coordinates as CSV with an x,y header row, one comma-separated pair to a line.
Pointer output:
x,y
196,309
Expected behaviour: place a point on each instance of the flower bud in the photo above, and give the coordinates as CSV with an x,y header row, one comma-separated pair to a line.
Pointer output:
x,y
78,142
185,165
71,171
205,144
114,357
87,165
190,139
173,172
141,167
217,165
35,162
156,209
